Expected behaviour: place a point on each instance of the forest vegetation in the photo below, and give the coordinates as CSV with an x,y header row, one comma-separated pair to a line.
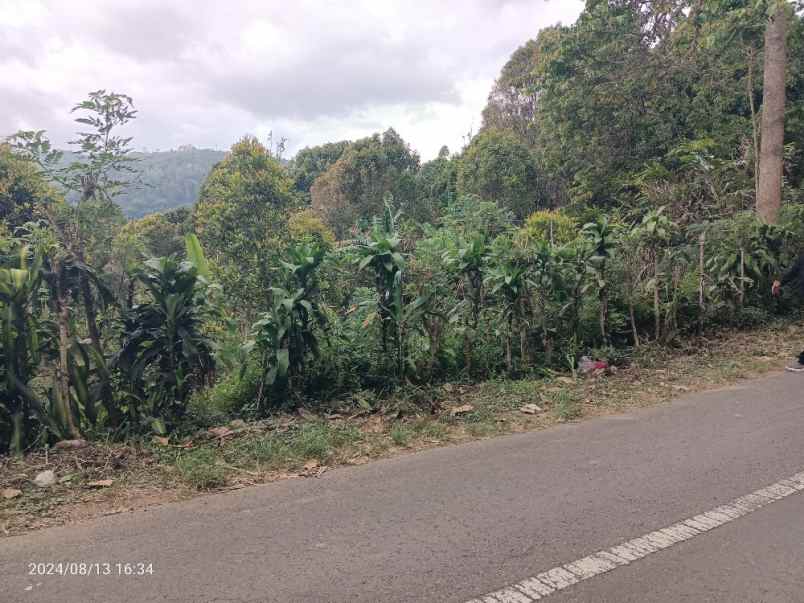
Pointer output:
x,y
637,179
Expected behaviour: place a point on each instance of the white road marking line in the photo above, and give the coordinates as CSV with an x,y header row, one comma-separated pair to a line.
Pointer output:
x,y
545,584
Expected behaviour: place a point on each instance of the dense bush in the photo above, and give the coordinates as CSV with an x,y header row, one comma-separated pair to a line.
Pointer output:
x,y
607,202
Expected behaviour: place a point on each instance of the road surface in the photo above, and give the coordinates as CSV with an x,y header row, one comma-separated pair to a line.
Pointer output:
x,y
466,522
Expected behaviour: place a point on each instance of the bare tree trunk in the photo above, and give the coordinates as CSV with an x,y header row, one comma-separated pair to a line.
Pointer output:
x,y
604,314
754,124
633,323
17,433
771,155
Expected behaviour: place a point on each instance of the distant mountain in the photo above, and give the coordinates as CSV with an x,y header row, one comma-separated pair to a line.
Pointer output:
x,y
168,179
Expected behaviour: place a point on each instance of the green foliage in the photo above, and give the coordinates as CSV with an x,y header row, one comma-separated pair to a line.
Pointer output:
x,y
499,168
164,356
550,226
436,187
512,101
200,468
305,226
24,192
20,355
636,126
382,253
311,162
249,189
103,164
354,188
285,335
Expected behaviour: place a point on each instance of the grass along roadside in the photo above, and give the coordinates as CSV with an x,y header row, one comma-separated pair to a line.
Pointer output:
x,y
240,454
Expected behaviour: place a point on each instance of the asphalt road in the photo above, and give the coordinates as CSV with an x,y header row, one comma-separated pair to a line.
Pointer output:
x,y
455,523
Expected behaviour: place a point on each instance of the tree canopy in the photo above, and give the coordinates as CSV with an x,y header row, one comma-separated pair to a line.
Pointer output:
x,y
356,185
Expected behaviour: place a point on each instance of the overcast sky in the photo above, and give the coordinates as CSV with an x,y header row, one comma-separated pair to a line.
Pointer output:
x,y
206,72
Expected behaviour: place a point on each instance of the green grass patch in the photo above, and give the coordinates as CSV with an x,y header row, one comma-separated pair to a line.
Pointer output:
x,y
401,434
483,429
201,470
428,429
566,405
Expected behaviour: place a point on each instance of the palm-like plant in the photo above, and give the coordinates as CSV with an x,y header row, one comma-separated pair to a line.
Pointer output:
x,y
285,334
655,233
550,290
509,278
164,355
601,239
382,253
469,260
22,346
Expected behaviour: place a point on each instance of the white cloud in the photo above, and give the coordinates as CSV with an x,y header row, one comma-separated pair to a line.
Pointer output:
x,y
204,72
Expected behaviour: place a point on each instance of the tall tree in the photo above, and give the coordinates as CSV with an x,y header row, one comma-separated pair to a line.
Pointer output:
x,y
354,188
311,162
499,168
771,156
241,219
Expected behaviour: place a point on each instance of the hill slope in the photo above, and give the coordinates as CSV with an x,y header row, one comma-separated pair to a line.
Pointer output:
x,y
169,179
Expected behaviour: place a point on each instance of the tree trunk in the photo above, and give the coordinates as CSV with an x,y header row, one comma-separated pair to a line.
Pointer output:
x,y
467,351
701,282
62,370
754,124
17,433
524,354
89,301
633,324
508,360
604,314
657,311
771,154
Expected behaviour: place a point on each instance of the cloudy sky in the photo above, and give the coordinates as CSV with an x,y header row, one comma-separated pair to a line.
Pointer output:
x,y
205,72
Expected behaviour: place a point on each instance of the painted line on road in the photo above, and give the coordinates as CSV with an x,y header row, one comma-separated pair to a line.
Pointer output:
x,y
554,580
